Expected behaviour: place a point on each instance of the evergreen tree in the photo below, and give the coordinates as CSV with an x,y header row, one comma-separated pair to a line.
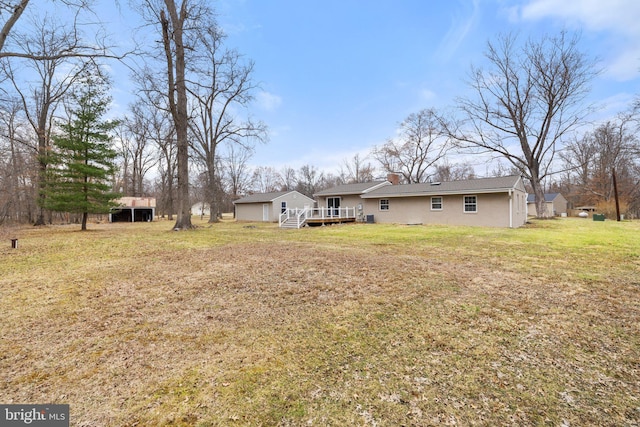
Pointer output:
x,y
82,162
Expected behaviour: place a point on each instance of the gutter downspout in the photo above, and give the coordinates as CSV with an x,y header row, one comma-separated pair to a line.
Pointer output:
x,y
510,209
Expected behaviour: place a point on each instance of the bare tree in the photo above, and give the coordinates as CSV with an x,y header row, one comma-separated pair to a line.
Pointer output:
x,y
162,133
446,171
610,149
223,87
414,153
236,170
288,178
265,179
12,11
310,180
357,170
17,195
527,101
175,22
135,135
54,76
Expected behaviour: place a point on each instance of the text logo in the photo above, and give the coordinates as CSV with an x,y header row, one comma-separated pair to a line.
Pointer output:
x,y
34,415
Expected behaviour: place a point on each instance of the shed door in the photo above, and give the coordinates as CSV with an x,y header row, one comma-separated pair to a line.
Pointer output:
x,y
265,212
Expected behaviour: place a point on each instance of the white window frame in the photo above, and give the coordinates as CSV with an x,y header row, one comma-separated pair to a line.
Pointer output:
x,y
465,204
441,203
380,204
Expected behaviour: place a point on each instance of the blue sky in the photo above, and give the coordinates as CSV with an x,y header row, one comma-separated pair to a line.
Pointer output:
x,y
337,76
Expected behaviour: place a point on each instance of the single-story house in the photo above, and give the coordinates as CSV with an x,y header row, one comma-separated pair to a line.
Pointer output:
x,y
134,209
556,204
495,202
347,195
268,206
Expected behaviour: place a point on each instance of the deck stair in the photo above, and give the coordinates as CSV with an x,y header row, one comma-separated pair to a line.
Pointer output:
x,y
297,218
291,222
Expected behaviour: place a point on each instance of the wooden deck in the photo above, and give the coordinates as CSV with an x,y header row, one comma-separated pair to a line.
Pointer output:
x,y
313,222
296,218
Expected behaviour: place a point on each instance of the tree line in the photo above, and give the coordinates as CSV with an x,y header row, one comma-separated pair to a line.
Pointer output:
x,y
189,134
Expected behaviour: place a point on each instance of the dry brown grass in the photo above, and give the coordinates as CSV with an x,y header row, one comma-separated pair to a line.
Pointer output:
x,y
348,325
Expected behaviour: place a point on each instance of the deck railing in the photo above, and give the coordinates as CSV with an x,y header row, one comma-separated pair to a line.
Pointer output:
x,y
297,214
300,215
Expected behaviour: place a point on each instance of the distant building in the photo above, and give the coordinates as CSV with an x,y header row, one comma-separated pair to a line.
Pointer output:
x,y
201,209
134,209
555,202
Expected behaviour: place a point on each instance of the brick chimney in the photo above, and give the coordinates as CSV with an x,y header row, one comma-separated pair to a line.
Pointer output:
x,y
393,178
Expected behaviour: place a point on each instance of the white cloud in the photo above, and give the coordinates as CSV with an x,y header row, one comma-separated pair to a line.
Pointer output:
x,y
462,23
595,15
268,101
615,20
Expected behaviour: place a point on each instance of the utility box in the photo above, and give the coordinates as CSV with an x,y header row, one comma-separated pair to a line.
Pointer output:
x,y
598,217
370,219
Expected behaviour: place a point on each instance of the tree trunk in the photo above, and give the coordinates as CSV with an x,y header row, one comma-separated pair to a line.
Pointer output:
x,y
212,194
541,206
178,105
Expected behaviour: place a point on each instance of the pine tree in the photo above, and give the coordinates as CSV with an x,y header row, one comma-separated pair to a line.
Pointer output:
x,y
82,161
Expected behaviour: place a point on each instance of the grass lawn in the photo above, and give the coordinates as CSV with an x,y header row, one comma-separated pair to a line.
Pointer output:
x,y
250,325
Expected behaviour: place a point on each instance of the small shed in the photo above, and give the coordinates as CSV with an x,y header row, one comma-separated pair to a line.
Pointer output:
x,y
134,209
267,207
555,203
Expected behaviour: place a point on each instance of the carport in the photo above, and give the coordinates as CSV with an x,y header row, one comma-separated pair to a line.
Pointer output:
x,y
134,209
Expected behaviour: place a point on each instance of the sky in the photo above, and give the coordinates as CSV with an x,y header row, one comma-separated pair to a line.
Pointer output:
x,y
338,76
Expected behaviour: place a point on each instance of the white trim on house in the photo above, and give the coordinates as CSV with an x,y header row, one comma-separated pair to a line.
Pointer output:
x,y
441,203
470,204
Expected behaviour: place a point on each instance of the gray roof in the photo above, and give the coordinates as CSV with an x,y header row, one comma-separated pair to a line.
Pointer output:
x,y
548,197
265,197
480,185
346,189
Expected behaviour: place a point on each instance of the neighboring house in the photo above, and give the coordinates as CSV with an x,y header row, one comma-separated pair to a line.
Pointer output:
x,y
133,209
556,204
200,209
493,202
269,206
347,196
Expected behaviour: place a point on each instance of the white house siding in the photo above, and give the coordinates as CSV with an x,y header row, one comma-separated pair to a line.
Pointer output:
x,y
493,210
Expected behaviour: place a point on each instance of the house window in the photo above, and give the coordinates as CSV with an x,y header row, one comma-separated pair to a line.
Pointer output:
x,y
384,204
470,204
283,207
436,203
